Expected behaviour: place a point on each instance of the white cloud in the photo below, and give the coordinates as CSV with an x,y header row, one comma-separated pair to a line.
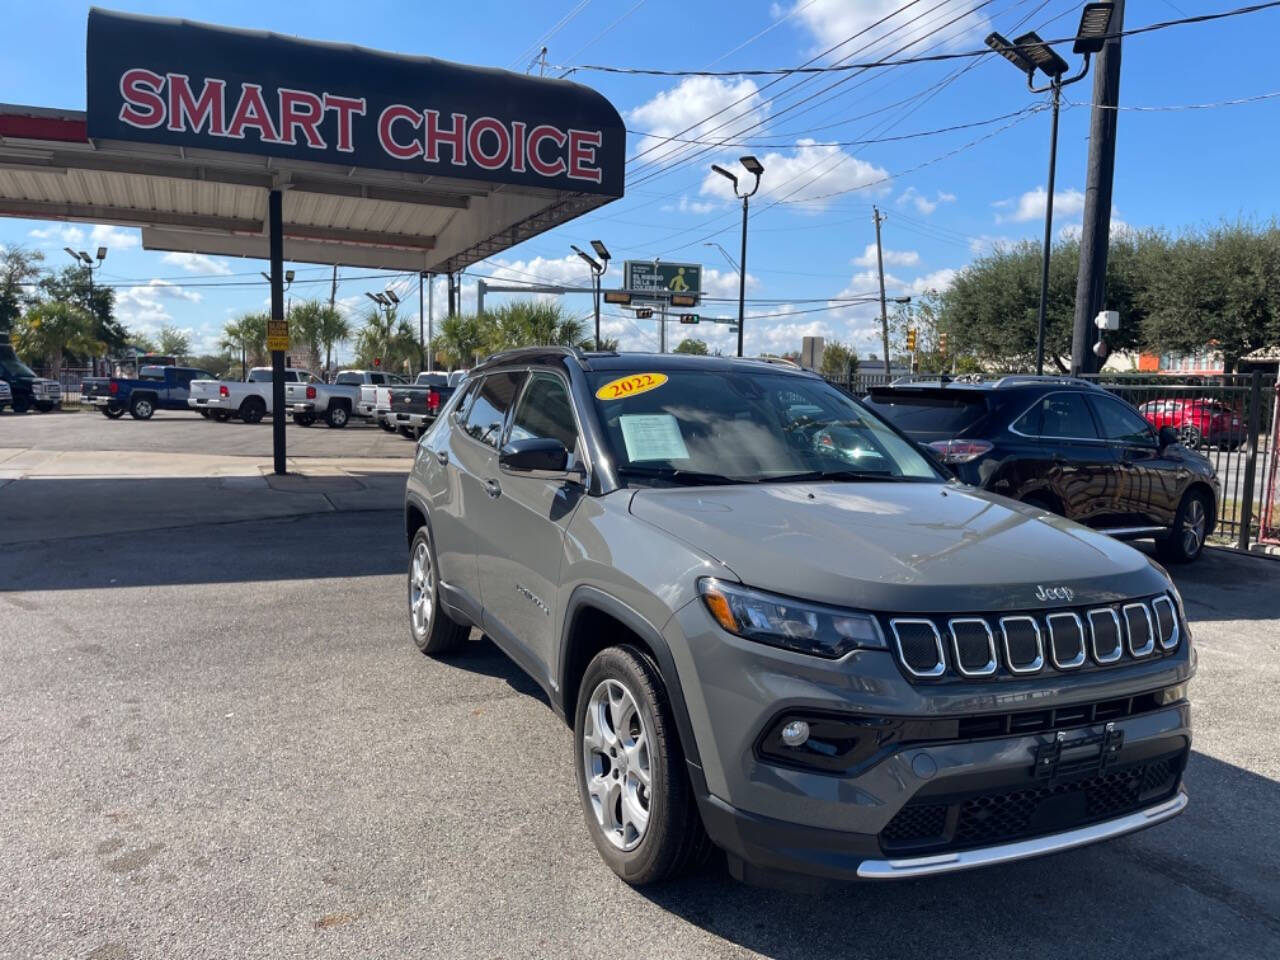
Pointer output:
x,y
113,237
698,207
922,203
1031,205
143,308
686,111
892,258
833,21
101,235
937,280
198,263
1072,231
988,243
805,179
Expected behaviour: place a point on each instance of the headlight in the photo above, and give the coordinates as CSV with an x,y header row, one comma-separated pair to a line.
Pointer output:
x,y
791,624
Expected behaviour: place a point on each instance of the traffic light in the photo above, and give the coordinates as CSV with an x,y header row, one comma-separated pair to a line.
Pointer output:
x,y
911,341
644,313
689,318
942,342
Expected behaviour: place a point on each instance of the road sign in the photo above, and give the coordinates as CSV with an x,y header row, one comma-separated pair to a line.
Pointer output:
x,y
644,313
277,335
617,296
688,318
649,277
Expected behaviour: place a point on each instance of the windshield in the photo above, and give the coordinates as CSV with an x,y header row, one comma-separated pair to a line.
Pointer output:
x,y
432,380
740,426
13,367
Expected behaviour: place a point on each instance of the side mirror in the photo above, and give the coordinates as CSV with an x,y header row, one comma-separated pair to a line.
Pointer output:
x,y
1167,437
537,457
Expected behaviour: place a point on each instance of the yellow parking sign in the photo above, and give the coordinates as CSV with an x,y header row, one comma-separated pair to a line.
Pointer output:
x,y
277,335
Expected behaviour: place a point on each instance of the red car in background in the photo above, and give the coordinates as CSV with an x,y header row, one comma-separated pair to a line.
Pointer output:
x,y
1199,422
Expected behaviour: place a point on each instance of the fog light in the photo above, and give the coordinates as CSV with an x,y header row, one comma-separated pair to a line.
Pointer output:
x,y
1171,695
795,733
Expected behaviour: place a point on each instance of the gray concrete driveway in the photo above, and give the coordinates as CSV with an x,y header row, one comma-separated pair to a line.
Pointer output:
x,y
218,741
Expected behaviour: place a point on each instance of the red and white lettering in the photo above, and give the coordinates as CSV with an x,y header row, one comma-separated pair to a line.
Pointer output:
x,y
517,143
582,151
347,108
251,111
456,138
188,113
143,106
394,148
489,161
536,136
301,110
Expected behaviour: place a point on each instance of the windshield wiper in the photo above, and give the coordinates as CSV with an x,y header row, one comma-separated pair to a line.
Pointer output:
x,y
847,476
677,475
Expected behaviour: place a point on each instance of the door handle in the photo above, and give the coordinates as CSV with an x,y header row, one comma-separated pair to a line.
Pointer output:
x,y
442,456
492,489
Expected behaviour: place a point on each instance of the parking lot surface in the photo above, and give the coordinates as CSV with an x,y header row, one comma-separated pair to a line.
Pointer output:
x,y
173,432
219,741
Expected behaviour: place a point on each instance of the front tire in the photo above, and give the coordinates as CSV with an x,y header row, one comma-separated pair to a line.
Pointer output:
x,y
337,416
1185,539
45,407
1191,437
141,408
435,633
635,792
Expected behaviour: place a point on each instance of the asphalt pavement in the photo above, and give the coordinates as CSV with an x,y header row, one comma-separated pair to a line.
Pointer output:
x,y
218,740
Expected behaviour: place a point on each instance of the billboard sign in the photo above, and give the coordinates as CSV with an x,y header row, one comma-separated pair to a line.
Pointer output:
x,y
184,84
661,280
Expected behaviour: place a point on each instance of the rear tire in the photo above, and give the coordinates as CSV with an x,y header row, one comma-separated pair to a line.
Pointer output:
x,y
632,781
386,426
406,432
203,413
253,410
142,408
112,412
304,419
337,416
21,404
45,407
1185,540
434,632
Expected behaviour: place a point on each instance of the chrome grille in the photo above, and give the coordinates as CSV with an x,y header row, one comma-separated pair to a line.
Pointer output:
x,y
1166,622
1137,623
1066,640
1023,648
919,647
973,646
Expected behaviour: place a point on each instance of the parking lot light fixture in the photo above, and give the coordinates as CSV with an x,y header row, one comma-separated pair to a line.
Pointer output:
x,y
88,260
601,250
753,165
1095,27
726,174
1042,55
756,168
1006,49
597,271
391,295
102,254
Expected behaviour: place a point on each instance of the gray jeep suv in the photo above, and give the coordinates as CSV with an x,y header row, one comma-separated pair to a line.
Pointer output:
x,y
777,626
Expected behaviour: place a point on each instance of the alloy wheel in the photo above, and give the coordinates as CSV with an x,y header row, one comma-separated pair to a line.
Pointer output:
x,y
1193,525
615,754
421,590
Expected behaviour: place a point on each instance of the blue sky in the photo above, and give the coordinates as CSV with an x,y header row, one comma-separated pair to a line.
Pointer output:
x,y
946,198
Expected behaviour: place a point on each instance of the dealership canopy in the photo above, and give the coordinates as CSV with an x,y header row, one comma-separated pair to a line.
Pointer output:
x,y
382,160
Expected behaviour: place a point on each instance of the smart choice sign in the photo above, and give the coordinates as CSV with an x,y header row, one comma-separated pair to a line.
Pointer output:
x,y
176,82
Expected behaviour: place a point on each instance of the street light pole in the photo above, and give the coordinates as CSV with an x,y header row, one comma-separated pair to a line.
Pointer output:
x,y
754,167
598,269
1048,230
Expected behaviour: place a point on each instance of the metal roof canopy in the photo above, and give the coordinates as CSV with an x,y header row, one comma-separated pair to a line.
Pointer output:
x,y
245,143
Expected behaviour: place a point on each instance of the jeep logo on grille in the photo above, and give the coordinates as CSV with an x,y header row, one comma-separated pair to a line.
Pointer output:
x,y
1054,593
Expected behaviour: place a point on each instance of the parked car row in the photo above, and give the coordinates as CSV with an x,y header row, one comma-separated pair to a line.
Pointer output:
x,y
23,390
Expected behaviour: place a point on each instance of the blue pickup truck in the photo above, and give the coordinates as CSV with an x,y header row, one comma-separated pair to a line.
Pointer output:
x,y
156,388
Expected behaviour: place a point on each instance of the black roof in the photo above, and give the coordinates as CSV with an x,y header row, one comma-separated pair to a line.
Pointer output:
x,y
1018,381
605,361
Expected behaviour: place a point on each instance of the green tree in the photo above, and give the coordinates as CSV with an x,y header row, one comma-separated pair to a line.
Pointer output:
x,y
528,323
691,346
19,270
839,361
460,340
74,285
1220,289
51,329
174,342
607,344
217,365
334,329
245,338
388,339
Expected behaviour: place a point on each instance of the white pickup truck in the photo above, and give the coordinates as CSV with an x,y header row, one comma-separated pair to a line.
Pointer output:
x,y
335,403
250,400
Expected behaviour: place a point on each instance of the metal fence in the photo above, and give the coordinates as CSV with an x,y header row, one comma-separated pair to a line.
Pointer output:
x,y
70,378
1243,456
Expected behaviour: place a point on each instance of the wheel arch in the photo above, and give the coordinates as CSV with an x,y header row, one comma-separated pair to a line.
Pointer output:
x,y
1203,488
595,620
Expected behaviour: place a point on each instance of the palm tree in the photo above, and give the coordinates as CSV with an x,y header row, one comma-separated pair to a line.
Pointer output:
x,y
607,345
387,339
304,325
52,328
334,329
246,335
461,339
526,323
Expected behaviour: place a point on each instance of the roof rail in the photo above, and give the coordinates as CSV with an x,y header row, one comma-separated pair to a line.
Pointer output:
x,y
939,378
1017,379
517,353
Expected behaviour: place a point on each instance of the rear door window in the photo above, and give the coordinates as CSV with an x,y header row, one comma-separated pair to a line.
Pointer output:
x,y
488,411
935,414
351,379
1058,416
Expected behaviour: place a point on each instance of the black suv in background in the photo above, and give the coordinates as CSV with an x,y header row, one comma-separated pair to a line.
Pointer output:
x,y
1067,446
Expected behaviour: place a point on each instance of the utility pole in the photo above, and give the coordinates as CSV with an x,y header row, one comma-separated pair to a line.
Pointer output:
x,y
884,309
1095,236
431,336
452,296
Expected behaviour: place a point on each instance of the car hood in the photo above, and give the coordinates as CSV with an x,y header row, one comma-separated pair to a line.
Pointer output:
x,y
898,546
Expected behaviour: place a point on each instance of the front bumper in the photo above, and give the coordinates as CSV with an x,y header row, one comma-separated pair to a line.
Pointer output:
x,y
844,824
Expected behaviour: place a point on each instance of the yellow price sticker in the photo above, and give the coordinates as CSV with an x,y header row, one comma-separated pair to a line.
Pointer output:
x,y
630,386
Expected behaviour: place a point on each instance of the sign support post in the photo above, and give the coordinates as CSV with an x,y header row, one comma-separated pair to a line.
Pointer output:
x,y
277,327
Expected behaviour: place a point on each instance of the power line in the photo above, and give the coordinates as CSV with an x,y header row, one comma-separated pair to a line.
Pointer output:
x,y
931,58
1237,101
